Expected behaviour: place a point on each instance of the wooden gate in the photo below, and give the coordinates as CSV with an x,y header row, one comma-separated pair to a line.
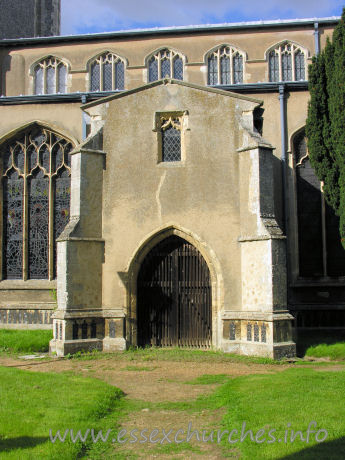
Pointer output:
x,y
174,297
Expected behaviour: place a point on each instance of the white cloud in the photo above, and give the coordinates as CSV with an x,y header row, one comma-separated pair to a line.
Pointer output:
x,y
80,15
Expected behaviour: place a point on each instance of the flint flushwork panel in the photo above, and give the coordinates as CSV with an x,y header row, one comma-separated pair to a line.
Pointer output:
x,y
21,316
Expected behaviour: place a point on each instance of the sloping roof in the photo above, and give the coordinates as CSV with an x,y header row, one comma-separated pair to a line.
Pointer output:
x,y
175,30
170,81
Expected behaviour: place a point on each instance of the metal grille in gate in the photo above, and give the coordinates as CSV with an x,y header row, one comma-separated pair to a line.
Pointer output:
x,y
174,297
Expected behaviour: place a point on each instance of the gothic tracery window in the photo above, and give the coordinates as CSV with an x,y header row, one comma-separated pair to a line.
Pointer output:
x,y
171,138
36,197
287,63
50,76
320,251
107,73
165,64
225,66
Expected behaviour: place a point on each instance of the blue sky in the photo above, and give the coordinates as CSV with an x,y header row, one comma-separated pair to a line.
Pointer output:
x,y
89,16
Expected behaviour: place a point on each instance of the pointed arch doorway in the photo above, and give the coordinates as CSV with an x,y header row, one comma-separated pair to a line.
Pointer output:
x,y
174,305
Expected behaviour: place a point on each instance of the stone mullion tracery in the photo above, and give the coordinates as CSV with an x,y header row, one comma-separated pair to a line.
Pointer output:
x,y
293,51
42,80
280,57
218,67
31,159
294,71
100,63
113,70
51,214
26,214
100,66
222,65
159,66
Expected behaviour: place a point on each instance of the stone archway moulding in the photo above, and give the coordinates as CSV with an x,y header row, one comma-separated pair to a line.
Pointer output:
x,y
138,257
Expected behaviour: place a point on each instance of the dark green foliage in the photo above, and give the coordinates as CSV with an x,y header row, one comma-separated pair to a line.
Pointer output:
x,y
325,128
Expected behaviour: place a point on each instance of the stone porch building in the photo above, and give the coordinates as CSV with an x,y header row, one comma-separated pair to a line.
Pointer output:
x,y
157,183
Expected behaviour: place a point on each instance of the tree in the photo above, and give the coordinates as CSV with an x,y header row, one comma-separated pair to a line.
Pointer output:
x,y
325,127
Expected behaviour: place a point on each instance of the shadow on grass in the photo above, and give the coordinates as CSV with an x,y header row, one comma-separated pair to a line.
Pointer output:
x,y
331,450
21,442
305,338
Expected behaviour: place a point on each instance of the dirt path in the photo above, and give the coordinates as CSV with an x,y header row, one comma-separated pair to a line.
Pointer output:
x,y
150,384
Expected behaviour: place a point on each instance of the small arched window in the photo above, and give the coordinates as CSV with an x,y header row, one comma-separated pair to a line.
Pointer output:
x,y
36,167
225,66
320,251
165,64
287,63
107,73
50,76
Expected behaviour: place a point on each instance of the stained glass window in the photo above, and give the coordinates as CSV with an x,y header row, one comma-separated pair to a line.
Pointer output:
x,y
36,178
286,63
38,225
165,64
50,76
225,66
13,191
107,73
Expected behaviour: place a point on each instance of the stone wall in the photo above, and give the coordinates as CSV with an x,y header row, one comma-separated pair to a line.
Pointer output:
x,y
29,18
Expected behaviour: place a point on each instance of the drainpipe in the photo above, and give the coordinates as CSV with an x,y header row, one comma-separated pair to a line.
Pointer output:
x,y
83,128
282,99
316,38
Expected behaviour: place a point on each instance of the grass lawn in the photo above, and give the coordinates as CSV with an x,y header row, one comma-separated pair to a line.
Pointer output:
x,y
296,396
21,341
32,403
335,351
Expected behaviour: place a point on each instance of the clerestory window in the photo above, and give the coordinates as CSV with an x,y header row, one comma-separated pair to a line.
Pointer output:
x,y
165,64
225,66
107,73
287,63
36,199
50,76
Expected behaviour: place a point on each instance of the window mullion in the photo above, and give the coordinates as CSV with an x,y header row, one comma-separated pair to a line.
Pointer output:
x,y
113,63
159,66
101,74
293,70
56,77
280,65
25,215
51,241
231,66
323,222
44,78
218,68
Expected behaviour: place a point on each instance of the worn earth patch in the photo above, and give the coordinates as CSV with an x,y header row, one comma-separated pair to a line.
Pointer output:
x,y
154,388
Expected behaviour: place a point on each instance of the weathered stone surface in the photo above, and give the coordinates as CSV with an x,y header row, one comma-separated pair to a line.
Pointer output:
x,y
29,18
